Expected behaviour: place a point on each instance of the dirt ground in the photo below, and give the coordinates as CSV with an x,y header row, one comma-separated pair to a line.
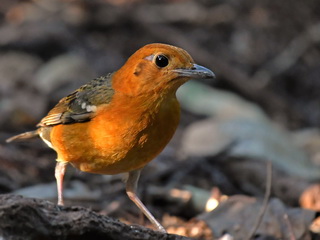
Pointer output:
x,y
245,160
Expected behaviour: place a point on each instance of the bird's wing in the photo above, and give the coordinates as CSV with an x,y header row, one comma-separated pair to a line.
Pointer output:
x,y
81,105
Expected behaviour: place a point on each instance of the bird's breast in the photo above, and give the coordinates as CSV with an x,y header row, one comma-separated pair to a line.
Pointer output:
x,y
125,135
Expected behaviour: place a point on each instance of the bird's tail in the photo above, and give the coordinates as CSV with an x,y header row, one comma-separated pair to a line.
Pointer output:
x,y
22,136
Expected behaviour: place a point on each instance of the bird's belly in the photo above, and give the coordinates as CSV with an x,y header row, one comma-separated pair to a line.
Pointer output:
x,y
106,146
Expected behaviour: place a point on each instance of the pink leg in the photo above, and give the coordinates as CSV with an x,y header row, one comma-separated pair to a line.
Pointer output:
x,y
131,187
59,174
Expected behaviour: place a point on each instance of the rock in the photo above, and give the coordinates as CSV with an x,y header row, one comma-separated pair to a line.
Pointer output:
x,y
16,70
76,191
200,99
244,128
238,215
65,72
25,218
309,140
19,104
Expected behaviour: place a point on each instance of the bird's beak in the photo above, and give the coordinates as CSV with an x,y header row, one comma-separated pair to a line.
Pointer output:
x,y
195,72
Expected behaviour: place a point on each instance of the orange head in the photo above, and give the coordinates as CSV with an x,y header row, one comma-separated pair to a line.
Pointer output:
x,y
157,68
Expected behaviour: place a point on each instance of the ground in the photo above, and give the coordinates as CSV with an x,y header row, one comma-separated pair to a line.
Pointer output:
x,y
262,108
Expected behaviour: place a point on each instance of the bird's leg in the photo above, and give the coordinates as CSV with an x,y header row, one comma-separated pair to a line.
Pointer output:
x,y
131,187
59,174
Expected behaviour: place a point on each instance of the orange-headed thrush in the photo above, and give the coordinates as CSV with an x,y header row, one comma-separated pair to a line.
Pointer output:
x,y
119,122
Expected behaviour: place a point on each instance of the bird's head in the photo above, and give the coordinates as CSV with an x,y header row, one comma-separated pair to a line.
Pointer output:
x,y
157,68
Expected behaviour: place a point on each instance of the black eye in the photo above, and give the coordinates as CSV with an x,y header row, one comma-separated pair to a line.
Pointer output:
x,y
161,61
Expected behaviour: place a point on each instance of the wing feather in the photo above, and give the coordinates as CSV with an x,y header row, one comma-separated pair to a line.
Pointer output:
x,y
81,105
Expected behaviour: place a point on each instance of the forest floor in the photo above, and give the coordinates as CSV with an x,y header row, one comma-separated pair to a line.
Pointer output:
x,y
245,161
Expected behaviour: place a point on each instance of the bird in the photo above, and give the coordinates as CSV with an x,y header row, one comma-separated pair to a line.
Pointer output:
x,y
119,122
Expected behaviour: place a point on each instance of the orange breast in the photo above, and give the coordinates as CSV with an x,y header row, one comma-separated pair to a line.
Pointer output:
x,y
125,135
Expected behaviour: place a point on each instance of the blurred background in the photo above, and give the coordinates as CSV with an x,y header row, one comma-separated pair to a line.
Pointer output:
x,y
263,107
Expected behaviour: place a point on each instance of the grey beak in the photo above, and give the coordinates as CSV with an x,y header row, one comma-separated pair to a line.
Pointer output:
x,y
196,72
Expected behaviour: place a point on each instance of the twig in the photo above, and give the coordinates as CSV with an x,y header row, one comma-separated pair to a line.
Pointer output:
x,y
286,219
265,201
290,55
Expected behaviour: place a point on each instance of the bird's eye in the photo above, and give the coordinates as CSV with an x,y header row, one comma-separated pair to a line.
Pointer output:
x,y
161,61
